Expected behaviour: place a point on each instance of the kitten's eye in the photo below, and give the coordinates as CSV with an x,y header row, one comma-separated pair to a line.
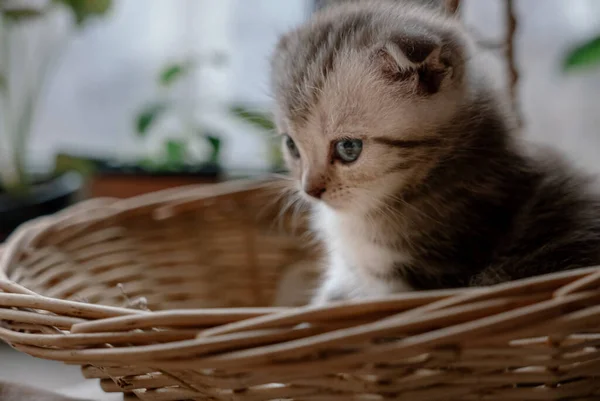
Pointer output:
x,y
291,145
348,150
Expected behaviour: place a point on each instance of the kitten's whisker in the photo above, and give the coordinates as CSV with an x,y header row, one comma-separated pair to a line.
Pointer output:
x,y
412,207
390,215
284,193
297,210
295,203
287,179
316,89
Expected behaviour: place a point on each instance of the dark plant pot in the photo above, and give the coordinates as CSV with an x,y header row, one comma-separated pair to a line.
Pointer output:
x,y
114,179
125,181
44,198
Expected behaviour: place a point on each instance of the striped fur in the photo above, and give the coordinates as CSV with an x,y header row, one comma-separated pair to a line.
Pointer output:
x,y
443,194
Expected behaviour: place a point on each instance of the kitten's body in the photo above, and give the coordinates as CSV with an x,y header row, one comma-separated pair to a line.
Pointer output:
x,y
481,220
443,194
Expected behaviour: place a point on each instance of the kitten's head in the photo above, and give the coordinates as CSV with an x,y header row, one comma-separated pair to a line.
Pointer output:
x,y
361,90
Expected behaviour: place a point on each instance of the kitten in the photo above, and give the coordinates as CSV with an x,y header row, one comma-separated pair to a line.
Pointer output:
x,y
409,160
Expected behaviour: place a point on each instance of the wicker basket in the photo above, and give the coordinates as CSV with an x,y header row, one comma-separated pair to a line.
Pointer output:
x,y
118,286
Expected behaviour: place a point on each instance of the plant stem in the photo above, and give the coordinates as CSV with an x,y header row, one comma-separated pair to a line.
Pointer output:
x,y
189,100
511,29
7,163
23,126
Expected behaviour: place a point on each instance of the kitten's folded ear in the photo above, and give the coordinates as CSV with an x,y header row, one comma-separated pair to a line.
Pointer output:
x,y
421,63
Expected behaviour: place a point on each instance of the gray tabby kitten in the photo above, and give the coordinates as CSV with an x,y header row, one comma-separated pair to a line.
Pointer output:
x,y
409,160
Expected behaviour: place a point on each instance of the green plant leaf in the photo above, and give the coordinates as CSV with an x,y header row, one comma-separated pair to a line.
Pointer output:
x,y
65,162
173,72
22,13
148,116
584,55
148,164
215,144
85,9
176,152
257,119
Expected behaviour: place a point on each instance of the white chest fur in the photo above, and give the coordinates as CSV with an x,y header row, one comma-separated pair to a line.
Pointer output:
x,y
357,264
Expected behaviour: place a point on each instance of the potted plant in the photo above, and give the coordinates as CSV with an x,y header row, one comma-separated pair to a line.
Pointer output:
x,y
176,163
24,195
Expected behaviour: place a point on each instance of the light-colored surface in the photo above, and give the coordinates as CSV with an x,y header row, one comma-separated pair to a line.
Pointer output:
x,y
54,376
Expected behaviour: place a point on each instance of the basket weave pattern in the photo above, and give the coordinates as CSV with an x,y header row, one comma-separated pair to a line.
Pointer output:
x,y
166,297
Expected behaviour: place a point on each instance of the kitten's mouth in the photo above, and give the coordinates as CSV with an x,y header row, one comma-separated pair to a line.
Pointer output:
x,y
327,198
311,199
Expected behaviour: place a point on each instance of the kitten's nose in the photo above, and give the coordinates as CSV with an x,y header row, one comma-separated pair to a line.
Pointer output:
x,y
314,183
316,192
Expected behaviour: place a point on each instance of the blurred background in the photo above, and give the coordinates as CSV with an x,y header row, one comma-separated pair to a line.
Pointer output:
x,y
140,95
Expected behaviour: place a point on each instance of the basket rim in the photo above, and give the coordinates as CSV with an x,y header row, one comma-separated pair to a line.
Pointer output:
x,y
163,204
